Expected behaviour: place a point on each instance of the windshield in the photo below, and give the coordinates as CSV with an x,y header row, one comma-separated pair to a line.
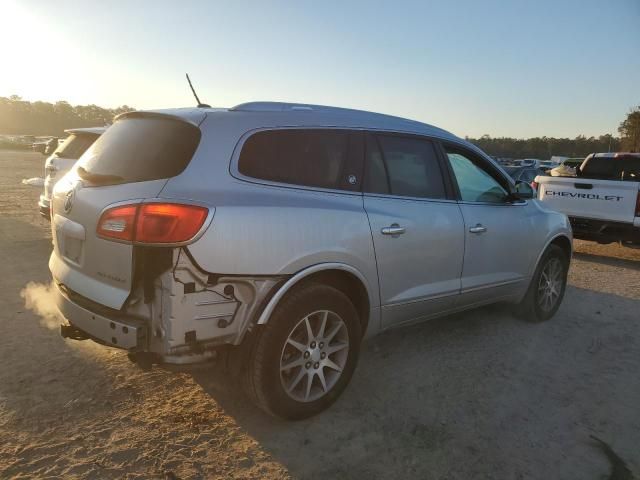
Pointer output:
x,y
75,145
140,149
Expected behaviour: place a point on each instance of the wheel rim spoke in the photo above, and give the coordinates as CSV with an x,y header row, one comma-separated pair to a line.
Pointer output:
x,y
333,332
296,345
329,363
296,380
323,381
307,324
309,384
336,348
295,363
323,324
322,354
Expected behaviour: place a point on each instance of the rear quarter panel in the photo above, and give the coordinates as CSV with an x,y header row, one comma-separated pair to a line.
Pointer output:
x,y
261,229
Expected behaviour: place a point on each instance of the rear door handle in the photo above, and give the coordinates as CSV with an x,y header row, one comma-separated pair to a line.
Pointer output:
x,y
393,229
478,229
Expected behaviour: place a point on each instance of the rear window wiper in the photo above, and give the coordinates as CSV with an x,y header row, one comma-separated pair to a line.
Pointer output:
x,y
99,178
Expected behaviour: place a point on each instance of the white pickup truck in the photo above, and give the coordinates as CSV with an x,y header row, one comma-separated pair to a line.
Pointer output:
x,y
602,201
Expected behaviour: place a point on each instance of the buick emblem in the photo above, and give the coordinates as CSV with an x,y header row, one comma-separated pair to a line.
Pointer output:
x,y
68,201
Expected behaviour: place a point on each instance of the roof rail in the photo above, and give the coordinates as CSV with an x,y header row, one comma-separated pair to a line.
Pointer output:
x,y
275,107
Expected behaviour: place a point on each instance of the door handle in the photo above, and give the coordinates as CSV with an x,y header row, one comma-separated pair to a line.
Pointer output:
x,y
393,229
478,229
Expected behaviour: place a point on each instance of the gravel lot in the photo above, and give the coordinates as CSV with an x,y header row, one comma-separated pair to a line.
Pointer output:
x,y
477,395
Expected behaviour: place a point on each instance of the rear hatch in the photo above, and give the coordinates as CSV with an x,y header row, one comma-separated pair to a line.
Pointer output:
x,y
131,162
590,198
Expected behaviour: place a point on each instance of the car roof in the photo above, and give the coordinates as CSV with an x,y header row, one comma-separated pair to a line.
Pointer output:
x,y
90,130
272,114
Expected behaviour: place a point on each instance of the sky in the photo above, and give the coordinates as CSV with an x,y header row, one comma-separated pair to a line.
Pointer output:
x,y
499,67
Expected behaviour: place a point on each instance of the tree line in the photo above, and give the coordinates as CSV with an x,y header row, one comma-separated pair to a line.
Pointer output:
x,y
20,117
581,146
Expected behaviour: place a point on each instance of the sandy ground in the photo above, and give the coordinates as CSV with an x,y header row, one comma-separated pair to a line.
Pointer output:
x,y
478,395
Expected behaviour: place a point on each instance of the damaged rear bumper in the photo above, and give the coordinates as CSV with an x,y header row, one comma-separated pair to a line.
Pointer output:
x,y
176,312
130,335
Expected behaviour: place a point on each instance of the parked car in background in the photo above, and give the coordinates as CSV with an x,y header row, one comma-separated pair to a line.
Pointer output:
x,y
602,201
63,158
567,168
186,233
547,164
525,174
529,162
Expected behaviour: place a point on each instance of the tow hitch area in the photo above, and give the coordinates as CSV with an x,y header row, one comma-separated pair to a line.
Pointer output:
x,y
69,331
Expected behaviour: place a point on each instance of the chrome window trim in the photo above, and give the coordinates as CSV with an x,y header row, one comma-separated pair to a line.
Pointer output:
x,y
235,156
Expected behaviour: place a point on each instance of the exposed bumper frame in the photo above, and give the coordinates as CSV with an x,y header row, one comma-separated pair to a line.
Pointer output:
x,y
129,335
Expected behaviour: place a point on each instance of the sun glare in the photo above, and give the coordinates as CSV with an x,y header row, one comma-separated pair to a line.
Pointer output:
x,y
29,49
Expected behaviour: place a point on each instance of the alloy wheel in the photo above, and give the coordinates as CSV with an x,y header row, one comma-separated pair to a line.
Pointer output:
x,y
314,356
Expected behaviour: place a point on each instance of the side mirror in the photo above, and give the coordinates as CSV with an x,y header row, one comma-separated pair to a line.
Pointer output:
x,y
523,191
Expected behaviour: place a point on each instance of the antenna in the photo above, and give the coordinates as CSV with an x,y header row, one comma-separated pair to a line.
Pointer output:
x,y
200,105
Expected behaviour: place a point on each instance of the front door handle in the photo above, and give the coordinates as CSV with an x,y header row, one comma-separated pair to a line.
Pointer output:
x,y
393,229
478,229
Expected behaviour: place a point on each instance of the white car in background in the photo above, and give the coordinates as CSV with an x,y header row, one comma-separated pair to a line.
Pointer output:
x,y
63,158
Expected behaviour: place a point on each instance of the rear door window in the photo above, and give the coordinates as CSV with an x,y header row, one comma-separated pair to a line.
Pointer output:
x,y
324,158
137,149
75,145
403,166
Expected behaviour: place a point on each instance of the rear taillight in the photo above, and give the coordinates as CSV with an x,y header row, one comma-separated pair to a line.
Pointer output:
x,y
118,223
534,185
152,223
638,205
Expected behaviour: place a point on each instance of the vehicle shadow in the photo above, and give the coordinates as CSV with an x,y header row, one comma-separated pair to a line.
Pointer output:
x,y
606,260
469,396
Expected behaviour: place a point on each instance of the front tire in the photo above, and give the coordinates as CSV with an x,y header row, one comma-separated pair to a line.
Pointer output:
x,y
304,357
547,287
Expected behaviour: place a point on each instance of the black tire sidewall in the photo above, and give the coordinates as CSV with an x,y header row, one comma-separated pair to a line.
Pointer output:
x,y
266,362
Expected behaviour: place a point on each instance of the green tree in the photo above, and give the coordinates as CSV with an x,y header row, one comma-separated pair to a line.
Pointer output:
x,y
629,131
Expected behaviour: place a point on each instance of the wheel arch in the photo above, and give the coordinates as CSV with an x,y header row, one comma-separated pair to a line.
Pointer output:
x,y
341,276
563,241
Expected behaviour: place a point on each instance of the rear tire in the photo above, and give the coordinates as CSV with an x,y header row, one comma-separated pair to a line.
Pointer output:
x,y
547,287
316,330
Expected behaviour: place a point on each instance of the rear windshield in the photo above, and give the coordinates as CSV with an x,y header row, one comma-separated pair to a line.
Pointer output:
x,y
75,145
619,168
140,149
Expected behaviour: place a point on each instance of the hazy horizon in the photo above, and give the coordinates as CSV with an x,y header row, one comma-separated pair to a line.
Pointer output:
x,y
507,69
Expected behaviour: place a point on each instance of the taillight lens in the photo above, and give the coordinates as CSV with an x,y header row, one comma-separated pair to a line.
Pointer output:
x,y
534,185
118,223
169,222
152,223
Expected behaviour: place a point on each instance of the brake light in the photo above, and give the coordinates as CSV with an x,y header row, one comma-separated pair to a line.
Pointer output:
x,y
534,185
169,222
118,223
152,223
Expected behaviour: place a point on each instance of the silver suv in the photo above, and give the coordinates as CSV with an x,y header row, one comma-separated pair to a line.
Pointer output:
x,y
283,234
